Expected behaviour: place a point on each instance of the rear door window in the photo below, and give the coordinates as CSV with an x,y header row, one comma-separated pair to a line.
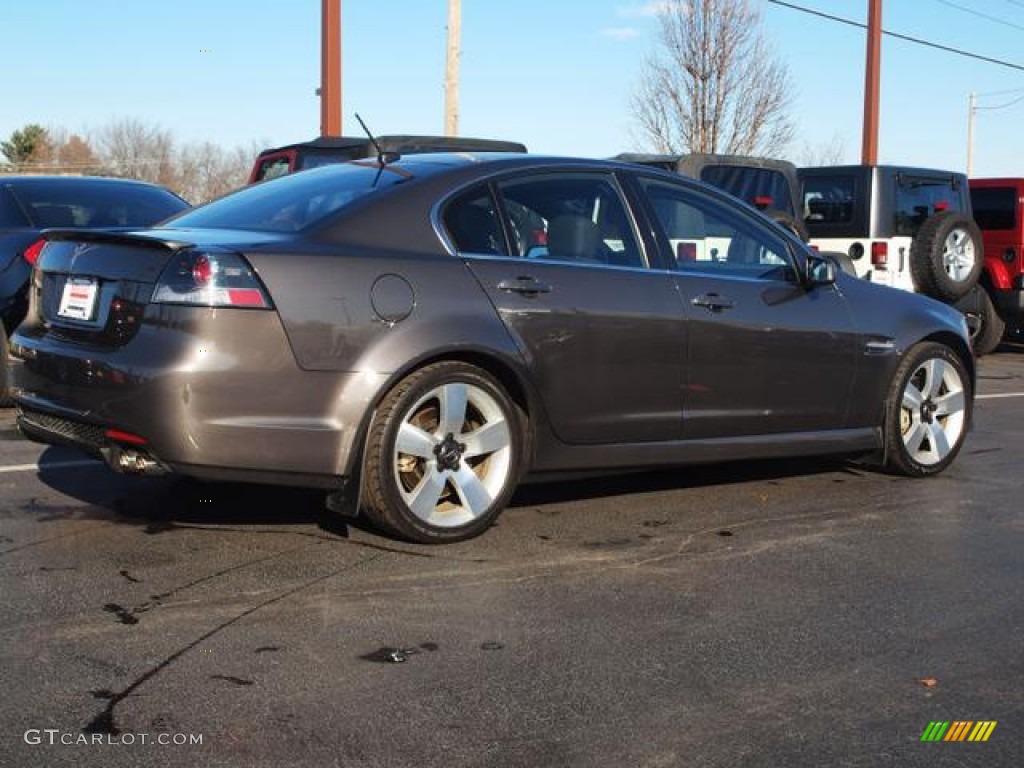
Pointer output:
x,y
571,217
994,207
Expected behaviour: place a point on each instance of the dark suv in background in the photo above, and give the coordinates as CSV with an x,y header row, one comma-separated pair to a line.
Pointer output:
x,y
771,186
908,228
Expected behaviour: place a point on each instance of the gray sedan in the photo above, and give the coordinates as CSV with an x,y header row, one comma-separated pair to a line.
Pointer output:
x,y
422,333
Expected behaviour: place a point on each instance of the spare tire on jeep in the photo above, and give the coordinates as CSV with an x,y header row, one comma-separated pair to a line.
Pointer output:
x,y
946,257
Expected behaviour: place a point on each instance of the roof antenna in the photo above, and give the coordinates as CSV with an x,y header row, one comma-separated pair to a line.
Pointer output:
x,y
383,158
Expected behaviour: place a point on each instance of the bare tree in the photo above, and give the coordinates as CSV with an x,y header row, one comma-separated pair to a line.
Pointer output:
x,y
713,85
207,171
832,152
134,150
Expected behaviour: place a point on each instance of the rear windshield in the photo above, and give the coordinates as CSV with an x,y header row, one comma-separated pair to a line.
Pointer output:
x,y
994,207
918,198
760,187
295,202
78,203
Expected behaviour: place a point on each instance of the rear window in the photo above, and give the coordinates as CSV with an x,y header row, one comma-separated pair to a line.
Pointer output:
x,y
994,207
919,198
761,187
77,203
294,202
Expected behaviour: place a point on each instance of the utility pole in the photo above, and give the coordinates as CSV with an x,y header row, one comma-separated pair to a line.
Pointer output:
x,y
330,68
451,76
872,78
970,132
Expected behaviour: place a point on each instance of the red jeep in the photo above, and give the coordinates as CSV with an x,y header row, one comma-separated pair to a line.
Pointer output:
x,y
999,212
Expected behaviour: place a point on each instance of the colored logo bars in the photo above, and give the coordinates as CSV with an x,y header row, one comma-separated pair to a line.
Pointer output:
x,y
958,730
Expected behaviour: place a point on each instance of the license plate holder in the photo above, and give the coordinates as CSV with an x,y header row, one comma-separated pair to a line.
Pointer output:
x,y
78,299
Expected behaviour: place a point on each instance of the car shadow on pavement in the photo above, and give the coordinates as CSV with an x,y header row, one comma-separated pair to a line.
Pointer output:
x,y
160,504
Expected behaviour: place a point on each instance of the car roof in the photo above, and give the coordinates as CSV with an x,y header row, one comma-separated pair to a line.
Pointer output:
x,y
72,180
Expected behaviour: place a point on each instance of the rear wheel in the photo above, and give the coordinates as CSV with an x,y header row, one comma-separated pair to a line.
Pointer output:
x,y
443,455
928,411
984,324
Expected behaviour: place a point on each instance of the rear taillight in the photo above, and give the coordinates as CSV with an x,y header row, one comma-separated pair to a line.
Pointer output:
x,y
761,202
211,279
31,254
879,255
686,251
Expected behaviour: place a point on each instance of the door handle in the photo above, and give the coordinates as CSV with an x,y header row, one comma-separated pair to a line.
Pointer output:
x,y
525,286
713,302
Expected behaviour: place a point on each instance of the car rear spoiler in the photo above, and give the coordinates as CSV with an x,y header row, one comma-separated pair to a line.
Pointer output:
x,y
114,238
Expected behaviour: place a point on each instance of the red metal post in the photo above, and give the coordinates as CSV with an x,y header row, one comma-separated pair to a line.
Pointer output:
x,y
872,78
330,69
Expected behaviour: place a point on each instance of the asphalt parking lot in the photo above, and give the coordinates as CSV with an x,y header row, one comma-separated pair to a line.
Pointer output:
x,y
803,613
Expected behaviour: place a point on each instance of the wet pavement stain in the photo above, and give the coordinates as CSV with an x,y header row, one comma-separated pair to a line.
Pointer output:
x,y
390,655
54,568
102,693
654,523
491,645
609,544
725,532
267,649
231,679
128,576
123,614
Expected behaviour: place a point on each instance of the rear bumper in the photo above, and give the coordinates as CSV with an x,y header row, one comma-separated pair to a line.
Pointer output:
x,y
221,400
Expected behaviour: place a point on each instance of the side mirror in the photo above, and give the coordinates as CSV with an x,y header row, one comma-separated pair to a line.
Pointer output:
x,y
821,270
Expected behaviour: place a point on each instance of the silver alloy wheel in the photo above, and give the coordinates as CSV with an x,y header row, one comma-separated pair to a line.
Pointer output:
x,y
932,411
958,256
453,454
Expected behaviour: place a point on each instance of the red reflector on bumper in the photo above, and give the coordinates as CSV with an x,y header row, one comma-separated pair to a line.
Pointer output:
x,y
124,437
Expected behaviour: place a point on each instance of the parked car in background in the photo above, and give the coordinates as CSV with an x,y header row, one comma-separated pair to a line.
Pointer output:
x,y
432,330
908,228
771,186
30,204
279,161
999,211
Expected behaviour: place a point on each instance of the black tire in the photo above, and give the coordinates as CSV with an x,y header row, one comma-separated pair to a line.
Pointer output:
x,y
947,256
395,480
923,439
788,221
985,325
6,398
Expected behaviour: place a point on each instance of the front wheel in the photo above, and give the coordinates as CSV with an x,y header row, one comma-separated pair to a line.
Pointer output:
x,y
443,454
928,411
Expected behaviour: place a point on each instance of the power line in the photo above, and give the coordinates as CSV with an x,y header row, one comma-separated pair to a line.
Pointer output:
x,y
981,15
898,36
1018,100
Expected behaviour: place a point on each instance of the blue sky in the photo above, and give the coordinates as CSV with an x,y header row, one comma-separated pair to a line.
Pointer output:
x,y
556,75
